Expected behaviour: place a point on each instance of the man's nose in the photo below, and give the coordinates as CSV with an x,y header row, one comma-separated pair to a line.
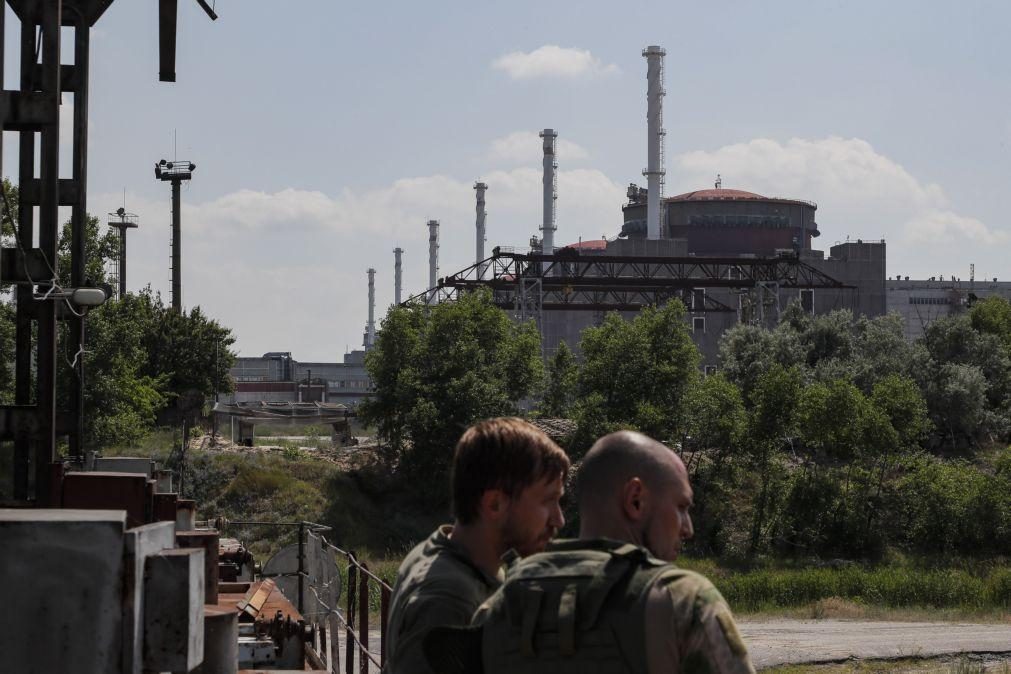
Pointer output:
x,y
687,530
557,519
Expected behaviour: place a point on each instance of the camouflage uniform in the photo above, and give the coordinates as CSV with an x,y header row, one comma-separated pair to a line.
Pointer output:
x,y
604,606
437,584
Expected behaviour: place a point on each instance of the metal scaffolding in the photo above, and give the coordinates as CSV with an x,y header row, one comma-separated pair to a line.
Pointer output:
x,y
531,283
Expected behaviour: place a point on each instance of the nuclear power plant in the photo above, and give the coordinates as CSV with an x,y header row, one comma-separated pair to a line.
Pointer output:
x,y
729,255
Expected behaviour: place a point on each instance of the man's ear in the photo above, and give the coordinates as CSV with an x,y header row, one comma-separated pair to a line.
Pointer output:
x,y
494,504
634,499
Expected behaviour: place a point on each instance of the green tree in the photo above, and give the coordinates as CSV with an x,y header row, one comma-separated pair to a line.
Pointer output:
x,y
100,249
436,370
562,382
993,316
772,427
749,351
121,402
637,373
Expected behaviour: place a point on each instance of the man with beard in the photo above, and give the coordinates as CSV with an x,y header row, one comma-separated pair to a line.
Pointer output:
x,y
507,482
612,600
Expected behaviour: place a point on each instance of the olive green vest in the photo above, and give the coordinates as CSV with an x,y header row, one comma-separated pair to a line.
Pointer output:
x,y
578,607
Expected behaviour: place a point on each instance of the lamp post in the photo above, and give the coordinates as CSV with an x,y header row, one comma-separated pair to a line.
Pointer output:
x,y
175,172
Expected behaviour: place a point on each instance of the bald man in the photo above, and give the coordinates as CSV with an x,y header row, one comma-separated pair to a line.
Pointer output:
x,y
612,601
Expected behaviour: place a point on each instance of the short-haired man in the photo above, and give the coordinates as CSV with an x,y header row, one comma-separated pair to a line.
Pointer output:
x,y
612,601
507,480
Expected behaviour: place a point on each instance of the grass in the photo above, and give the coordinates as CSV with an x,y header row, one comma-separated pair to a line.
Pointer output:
x,y
889,587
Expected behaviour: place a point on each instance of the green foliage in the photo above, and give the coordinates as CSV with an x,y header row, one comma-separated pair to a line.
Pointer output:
x,y
887,586
637,373
436,370
562,383
139,356
99,249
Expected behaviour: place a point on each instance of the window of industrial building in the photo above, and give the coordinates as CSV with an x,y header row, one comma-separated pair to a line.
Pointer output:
x,y
929,300
698,324
807,300
709,370
698,299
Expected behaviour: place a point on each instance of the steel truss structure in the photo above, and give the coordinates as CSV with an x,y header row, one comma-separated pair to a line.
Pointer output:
x,y
33,110
529,283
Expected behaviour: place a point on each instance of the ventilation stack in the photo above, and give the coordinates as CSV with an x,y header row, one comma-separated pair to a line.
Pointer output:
x,y
398,253
433,261
370,329
479,251
654,171
550,192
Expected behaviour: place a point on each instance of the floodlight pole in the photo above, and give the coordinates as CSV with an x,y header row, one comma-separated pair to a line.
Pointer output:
x,y
177,240
176,172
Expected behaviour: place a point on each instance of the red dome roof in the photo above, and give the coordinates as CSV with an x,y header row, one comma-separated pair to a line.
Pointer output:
x,y
589,244
718,194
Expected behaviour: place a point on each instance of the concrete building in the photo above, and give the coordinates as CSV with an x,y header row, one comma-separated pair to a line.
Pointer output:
x,y
277,377
922,302
725,225
726,222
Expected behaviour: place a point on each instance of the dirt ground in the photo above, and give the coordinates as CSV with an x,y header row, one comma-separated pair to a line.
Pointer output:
x,y
779,642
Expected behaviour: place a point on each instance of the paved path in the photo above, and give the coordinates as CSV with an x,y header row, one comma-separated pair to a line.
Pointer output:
x,y
778,642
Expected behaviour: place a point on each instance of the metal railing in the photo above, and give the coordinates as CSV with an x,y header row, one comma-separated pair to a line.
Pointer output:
x,y
320,586
359,583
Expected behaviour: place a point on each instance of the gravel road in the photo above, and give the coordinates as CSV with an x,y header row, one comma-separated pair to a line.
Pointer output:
x,y
778,642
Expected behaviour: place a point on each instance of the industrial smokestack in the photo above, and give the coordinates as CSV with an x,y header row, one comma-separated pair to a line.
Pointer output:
x,y
654,117
479,251
370,329
550,192
397,274
433,260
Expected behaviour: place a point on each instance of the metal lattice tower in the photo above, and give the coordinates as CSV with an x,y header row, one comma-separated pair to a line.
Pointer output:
x,y
122,221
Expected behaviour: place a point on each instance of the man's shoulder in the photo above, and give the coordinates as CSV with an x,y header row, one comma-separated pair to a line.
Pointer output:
x,y
687,588
434,569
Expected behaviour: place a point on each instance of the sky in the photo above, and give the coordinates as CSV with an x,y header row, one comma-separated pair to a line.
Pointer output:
x,y
327,133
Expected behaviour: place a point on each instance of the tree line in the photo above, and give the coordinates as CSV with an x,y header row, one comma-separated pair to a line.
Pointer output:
x,y
825,436
145,364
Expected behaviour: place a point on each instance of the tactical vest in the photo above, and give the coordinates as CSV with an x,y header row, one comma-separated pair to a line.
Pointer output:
x,y
577,608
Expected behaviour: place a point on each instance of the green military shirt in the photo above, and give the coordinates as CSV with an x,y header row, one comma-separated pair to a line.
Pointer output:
x,y
689,628
578,607
437,584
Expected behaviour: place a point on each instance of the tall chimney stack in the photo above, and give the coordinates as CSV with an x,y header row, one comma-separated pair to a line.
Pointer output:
x,y
550,192
433,260
479,251
370,329
397,274
655,136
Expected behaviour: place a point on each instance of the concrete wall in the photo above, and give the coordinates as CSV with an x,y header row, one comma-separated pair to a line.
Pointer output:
x,y
921,302
64,590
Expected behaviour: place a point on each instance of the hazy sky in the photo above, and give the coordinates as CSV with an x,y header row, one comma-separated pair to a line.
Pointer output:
x,y
326,133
